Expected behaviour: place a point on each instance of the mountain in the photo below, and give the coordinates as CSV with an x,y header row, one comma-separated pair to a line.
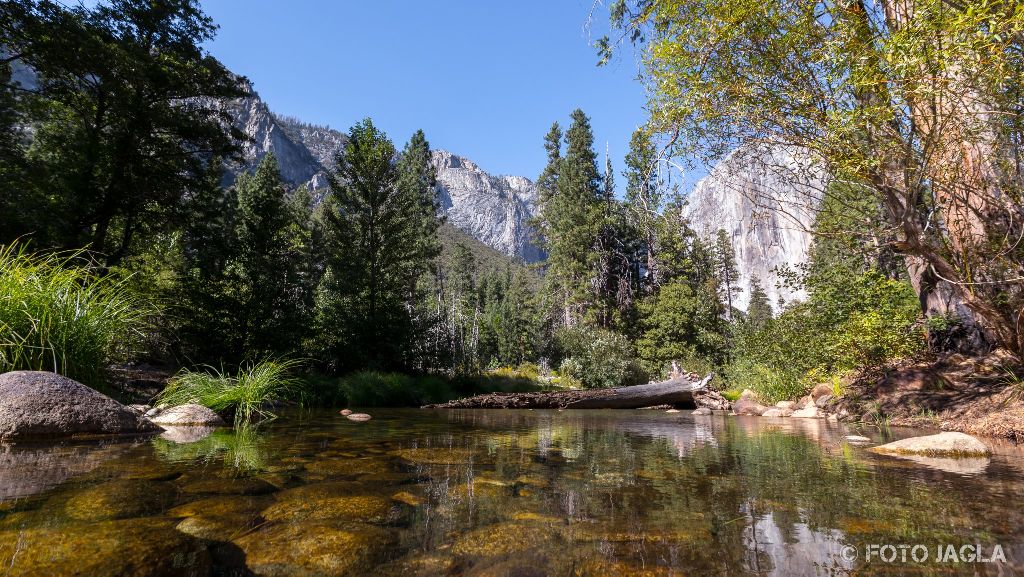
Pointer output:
x,y
765,197
492,209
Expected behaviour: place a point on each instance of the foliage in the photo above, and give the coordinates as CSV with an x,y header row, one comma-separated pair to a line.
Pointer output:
x,y
771,383
247,273
127,97
249,395
377,389
58,314
380,241
916,104
598,358
680,324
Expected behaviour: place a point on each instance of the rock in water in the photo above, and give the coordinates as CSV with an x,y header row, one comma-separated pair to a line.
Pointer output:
x,y
190,414
42,404
777,412
345,412
947,444
358,417
810,412
701,412
857,439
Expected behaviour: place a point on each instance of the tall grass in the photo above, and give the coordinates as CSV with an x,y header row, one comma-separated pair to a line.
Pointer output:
x,y
58,315
249,394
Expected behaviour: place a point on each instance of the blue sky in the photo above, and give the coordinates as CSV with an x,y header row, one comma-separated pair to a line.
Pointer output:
x,y
483,79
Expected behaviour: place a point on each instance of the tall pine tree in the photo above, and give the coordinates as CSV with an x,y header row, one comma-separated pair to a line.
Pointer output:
x,y
381,235
572,205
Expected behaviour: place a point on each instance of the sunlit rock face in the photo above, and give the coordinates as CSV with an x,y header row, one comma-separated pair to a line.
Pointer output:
x,y
493,209
765,197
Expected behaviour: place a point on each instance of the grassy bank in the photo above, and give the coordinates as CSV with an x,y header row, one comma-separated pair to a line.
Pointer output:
x,y
57,314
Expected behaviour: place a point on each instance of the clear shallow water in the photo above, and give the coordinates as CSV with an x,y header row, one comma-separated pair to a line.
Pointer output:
x,y
506,492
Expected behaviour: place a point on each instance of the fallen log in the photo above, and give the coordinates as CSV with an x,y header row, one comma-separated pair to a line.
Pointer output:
x,y
672,392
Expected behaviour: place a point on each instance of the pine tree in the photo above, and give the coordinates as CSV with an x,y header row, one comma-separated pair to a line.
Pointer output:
x,y
759,310
381,241
726,269
248,272
643,199
571,214
273,294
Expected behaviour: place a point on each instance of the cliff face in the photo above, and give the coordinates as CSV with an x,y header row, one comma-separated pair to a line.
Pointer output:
x,y
765,197
493,209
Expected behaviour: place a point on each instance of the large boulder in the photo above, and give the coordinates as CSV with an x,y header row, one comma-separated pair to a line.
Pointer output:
x,y
188,415
747,404
947,444
42,404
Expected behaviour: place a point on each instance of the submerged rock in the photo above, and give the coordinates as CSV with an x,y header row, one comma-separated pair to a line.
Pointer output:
x,y
946,444
435,456
185,435
41,404
338,500
127,548
701,412
358,417
504,539
120,500
314,549
228,486
190,414
857,439
777,412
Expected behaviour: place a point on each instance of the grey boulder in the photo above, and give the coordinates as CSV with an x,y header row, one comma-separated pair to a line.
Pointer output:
x,y
188,415
43,404
947,444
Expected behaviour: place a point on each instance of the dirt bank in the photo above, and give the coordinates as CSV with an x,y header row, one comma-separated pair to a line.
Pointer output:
x,y
975,395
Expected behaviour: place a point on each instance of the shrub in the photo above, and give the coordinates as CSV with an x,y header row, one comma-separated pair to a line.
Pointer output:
x,y
770,384
248,395
598,358
57,314
377,389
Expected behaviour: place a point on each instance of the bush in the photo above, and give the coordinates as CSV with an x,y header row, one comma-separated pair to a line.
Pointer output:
x,y
865,321
598,358
247,396
377,389
770,384
58,315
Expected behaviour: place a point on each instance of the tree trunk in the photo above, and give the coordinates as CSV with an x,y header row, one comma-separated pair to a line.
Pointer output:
x,y
672,392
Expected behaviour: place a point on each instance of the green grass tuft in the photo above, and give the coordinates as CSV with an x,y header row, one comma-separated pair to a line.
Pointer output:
x,y
59,315
249,394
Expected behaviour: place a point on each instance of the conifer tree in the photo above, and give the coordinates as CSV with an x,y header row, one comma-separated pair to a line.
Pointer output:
x,y
759,310
381,241
728,273
643,199
571,214
247,275
273,294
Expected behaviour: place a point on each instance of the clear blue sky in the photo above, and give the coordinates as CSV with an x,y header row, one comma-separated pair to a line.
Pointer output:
x,y
483,79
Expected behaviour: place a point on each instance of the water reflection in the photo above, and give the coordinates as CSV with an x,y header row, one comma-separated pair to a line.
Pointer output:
x,y
505,493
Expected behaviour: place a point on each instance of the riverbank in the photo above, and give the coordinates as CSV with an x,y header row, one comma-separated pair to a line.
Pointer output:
x,y
981,395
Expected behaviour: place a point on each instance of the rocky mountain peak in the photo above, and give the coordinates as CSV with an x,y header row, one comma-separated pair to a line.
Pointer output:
x,y
766,197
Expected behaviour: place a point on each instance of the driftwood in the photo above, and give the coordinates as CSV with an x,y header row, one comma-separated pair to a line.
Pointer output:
x,y
672,392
